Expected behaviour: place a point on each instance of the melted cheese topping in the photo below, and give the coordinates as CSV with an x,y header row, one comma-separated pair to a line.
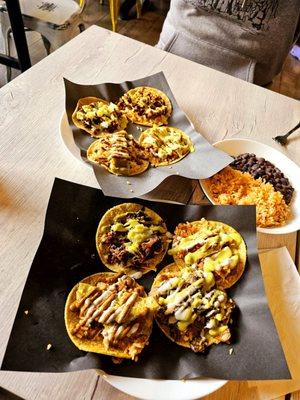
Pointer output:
x,y
166,143
100,116
136,233
118,151
211,245
184,298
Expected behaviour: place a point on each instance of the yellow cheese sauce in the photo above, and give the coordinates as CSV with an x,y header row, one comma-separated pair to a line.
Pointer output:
x,y
166,142
190,295
212,246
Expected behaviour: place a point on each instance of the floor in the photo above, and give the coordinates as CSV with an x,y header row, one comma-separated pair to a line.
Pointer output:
x,y
147,30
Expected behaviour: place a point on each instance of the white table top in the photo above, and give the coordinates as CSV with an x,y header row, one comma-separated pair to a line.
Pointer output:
x,y
31,155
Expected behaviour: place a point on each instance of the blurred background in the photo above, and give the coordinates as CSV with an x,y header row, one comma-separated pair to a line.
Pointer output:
x,y
146,29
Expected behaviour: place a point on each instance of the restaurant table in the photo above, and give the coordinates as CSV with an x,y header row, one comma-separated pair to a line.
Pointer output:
x,y
32,154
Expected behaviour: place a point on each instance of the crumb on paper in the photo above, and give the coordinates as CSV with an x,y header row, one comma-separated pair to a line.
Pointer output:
x,y
128,183
231,351
49,346
131,190
26,312
170,167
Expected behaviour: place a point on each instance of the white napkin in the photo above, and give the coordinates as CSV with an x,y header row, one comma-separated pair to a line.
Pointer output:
x,y
282,285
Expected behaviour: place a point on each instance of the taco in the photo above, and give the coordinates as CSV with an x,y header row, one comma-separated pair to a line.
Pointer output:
x,y
110,314
213,246
165,145
97,116
192,313
146,106
131,238
119,153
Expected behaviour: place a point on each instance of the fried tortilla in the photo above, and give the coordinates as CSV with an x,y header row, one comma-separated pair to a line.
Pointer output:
x,y
97,116
214,247
131,238
165,145
192,313
110,314
146,106
119,153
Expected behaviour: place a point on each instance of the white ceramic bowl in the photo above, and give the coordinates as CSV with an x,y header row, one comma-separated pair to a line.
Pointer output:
x,y
155,389
235,147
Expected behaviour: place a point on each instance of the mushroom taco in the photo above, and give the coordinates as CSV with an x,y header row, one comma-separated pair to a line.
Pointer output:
x,y
191,311
165,145
214,247
146,106
97,116
110,314
131,238
119,153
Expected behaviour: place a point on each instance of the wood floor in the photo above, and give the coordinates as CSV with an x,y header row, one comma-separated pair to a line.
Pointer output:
x,y
147,30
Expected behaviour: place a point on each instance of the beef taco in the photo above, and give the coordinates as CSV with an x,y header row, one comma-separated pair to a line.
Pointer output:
x,y
165,145
191,312
213,246
97,116
131,238
110,314
119,153
146,106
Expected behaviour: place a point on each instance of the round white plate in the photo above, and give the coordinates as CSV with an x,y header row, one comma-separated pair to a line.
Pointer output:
x,y
68,140
146,389
235,147
155,389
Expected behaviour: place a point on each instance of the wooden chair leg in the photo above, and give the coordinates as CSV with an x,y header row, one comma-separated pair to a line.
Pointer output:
x,y
138,8
114,6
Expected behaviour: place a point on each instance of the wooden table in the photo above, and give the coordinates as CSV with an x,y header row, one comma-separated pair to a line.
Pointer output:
x,y
32,154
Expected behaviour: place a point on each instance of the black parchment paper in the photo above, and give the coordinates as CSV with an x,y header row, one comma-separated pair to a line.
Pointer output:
x,y
67,253
201,164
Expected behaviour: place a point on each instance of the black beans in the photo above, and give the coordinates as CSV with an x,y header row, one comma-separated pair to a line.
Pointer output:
x,y
261,168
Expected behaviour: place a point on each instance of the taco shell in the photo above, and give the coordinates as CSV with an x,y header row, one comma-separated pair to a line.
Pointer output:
x,y
189,328
145,105
216,247
118,123
118,153
125,222
165,145
141,312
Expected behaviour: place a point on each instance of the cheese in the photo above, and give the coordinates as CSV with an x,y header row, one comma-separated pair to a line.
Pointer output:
x,y
83,290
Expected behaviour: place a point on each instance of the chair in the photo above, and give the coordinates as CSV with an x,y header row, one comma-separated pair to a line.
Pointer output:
x,y
114,6
57,21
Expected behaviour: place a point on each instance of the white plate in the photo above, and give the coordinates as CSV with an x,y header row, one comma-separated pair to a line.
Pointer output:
x,y
235,147
154,389
146,389
68,140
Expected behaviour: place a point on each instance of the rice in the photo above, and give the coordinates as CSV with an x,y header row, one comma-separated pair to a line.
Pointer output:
x,y
230,186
